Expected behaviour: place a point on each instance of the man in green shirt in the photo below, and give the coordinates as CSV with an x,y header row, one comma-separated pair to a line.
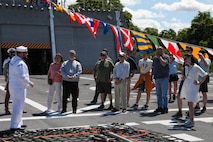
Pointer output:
x,y
103,77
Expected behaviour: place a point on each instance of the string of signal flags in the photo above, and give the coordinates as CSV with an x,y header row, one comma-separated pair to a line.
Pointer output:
x,y
143,41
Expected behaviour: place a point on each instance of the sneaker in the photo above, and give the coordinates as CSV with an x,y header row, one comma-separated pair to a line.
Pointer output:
x,y
170,100
187,114
178,114
174,97
74,111
7,112
101,106
189,124
159,109
63,111
203,109
110,107
114,110
145,107
196,108
93,102
164,110
124,110
135,106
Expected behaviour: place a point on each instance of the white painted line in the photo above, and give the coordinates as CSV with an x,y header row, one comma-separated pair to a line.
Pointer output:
x,y
206,119
131,124
86,78
187,137
35,104
57,115
31,102
163,122
170,122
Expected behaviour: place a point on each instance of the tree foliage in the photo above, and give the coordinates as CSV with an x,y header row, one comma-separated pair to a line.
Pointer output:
x,y
98,4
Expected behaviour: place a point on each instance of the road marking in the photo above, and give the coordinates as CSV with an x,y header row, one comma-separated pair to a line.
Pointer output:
x,y
187,137
30,102
170,122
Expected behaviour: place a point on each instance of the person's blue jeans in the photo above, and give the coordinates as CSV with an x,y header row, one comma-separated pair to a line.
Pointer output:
x,y
161,85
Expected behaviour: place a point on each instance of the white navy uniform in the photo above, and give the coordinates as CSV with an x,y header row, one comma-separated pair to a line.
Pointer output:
x,y
19,80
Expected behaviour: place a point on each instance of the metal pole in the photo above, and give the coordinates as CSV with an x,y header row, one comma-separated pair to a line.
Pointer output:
x,y
102,4
52,33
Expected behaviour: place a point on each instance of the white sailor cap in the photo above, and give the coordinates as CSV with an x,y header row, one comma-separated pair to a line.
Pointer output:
x,y
21,49
11,50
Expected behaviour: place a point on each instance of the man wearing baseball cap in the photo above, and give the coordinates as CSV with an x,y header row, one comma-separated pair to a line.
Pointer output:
x,y
19,80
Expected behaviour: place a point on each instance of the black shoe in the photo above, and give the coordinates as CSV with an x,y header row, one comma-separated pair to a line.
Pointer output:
x,y
23,126
101,107
135,106
164,110
178,114
74,110
196,108
93,102
170,100
7,112
187,114
16,129
114,110
159,109
63,111
110,107
174,97
203,109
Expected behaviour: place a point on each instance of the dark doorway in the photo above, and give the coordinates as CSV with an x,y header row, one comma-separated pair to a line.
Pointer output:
x,y
38,60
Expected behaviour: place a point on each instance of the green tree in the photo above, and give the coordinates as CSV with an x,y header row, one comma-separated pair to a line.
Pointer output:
x,y
201,30
182,35
151,31
169,34
98,4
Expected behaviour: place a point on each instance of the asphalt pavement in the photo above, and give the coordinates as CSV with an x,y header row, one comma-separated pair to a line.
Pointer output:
x,y
89,115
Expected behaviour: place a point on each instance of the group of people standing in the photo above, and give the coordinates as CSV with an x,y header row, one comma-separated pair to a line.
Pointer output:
x,y
160,72
17,79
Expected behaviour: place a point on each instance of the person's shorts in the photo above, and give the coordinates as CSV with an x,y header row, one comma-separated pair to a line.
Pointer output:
x,y
173,77
104,87
204,86
141,87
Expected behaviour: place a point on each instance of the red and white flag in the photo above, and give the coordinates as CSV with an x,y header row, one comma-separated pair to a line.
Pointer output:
x,y
92,25
173,49
80,18
116,33
128,42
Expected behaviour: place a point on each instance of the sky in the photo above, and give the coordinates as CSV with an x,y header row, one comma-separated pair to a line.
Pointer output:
x,y
163,14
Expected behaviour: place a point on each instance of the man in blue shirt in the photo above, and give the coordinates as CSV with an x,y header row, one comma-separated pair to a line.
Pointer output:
x,y
161,76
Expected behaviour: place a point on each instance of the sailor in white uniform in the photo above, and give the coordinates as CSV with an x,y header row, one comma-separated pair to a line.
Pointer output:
x,y
19,80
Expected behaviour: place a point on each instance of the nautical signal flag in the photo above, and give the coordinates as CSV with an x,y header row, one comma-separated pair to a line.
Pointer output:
x,y
92,25
117,37
195,50
80,18
173,49
128,42
143,42
105,27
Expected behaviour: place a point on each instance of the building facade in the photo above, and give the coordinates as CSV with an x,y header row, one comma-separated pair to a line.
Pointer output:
x,y
21,24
